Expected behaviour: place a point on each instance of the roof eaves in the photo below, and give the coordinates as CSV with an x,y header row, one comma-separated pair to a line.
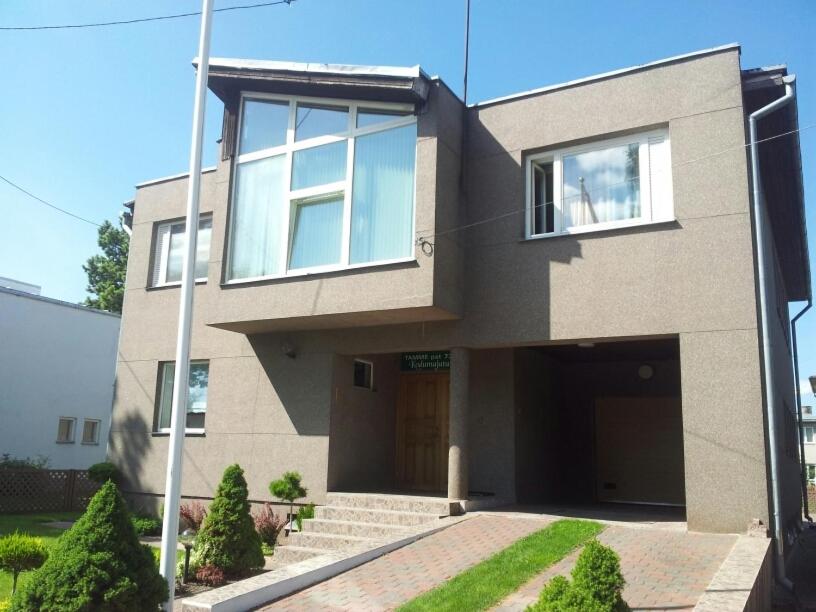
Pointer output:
x,y
607,75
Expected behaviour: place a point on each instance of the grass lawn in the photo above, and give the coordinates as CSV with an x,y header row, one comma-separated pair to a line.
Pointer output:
x,y
487,583
32,524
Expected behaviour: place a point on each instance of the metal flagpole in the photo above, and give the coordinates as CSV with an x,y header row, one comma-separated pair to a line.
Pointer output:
x,y
172,491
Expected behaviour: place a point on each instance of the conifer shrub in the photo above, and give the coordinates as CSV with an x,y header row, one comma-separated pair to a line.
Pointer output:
x,y
303,513
597,584
227,538
20,552
288,488
98,564
103,472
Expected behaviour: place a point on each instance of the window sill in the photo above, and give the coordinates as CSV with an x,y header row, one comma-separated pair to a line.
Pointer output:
x,y
90,443
320,270
65,442
192,433
198,281
605,228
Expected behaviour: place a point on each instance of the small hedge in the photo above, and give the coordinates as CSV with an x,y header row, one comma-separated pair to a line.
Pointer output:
x,y
103,472
146,525
98,564
597,584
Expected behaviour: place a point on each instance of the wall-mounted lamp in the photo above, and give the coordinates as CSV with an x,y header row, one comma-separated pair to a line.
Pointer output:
x,y
288,349
645,371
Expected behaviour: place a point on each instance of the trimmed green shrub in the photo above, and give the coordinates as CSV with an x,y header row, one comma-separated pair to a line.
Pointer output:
x,y
98,564
20,552
597,584
146,525
304,512
103,472
228,539
288,488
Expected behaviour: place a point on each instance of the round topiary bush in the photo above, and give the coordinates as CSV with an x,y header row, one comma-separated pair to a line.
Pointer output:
x,y
98,564
20,552
103,472
227,539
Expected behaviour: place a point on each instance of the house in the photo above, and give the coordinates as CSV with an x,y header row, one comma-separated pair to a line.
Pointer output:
x,y
57,365
557,304
809,438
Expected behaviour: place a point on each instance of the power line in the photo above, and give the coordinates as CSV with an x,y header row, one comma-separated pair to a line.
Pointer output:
x,y
425,238
57,208
143,19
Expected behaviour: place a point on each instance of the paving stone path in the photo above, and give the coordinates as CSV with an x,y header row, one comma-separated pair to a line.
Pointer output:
x,y
664,570
393,579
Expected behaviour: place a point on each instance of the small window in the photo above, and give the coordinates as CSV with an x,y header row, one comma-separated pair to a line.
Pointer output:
x,y
65,431
811,472
617,182
810,433
807,409
168,255
363,374
196,396
90,431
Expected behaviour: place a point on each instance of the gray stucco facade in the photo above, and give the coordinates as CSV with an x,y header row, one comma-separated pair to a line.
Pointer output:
x,y
682,292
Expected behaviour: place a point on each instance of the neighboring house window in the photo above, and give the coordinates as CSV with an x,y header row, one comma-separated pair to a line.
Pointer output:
x,y
65,430
196,397
90,431
811,472
810,433
363,374
168,253
807,409
614,183
320,186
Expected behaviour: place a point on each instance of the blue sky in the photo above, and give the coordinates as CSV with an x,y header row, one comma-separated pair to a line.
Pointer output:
x,y
86,114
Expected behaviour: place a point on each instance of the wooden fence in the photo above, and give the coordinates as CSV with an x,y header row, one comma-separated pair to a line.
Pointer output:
x,y
45,490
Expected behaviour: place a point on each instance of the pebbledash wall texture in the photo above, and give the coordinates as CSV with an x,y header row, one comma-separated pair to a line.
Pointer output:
x,y
281,393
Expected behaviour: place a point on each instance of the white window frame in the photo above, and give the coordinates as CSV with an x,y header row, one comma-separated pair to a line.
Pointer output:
x,y
291,196
187,430
95,441
812,428
650,212
164,254
370,364
72,439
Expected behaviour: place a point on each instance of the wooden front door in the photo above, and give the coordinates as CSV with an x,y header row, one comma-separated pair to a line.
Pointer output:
x,y
422,432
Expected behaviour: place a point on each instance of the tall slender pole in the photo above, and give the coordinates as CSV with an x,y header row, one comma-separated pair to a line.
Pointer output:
x,y
172,491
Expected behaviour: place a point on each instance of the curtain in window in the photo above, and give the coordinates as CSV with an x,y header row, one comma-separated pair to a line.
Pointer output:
x,y
319,165
257,210
196,395
318,230
383,195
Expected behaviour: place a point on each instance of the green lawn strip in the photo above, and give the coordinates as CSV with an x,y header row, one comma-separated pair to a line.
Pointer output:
x,y
32,524
490,581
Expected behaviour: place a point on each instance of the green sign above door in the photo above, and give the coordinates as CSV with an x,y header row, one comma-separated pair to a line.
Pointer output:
x,y
427,361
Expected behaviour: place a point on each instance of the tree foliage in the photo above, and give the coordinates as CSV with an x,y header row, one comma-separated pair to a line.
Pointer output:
x,y
20,552
98,564
106,272
227,539
288,488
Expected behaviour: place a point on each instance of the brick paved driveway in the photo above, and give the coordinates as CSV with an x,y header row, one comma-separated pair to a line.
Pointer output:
x,y
388,581
663,569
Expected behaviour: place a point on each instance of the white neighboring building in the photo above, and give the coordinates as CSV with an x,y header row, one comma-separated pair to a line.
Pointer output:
x,y
57,368
809,433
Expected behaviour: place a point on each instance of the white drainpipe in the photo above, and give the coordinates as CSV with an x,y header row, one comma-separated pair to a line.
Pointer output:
x,y
770,395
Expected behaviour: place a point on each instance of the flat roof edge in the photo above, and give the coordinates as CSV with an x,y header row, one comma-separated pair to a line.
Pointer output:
x,y
172,177
406,72
606,75
56,302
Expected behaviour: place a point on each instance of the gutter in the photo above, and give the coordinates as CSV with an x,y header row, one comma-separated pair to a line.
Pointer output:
x,y
802,462
770,394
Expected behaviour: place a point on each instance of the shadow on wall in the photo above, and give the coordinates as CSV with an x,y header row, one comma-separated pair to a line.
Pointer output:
x,y
301,383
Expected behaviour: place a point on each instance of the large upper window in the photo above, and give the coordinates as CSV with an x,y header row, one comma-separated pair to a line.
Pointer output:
x,y
321,185
168,255
618,182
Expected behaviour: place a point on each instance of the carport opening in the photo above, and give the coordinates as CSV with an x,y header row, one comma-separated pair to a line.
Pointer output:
x,y
600,423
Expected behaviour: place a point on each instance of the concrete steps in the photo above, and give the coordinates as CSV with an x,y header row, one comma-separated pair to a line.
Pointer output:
x,y
351,522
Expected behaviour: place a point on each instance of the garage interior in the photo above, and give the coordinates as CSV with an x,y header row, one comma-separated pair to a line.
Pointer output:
x,y
600,423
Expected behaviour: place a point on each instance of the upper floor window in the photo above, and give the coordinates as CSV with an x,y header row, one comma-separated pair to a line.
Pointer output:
x,y
168,254
809,434
321,185
617,182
